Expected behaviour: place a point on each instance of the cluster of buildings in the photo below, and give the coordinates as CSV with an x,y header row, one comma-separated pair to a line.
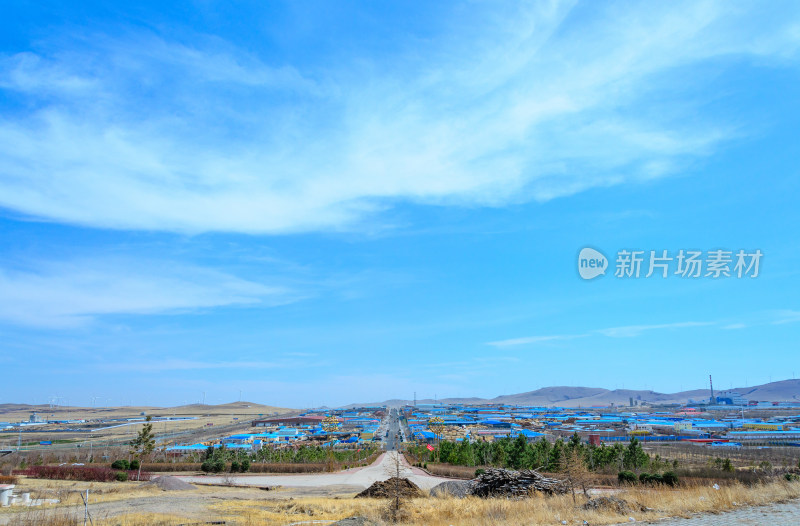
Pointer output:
x,y
431,422
335,428
35,420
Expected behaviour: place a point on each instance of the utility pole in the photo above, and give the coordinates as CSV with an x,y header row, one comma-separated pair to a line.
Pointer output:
x,y
86,514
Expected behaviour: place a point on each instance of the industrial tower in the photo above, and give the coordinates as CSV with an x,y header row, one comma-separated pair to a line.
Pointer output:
x,y
711,400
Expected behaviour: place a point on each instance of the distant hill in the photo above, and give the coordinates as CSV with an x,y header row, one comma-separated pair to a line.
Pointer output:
x,y
564,396
785,390
551,395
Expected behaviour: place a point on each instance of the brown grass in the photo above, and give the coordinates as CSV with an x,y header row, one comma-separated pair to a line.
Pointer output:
x,y
68,492
448,470
227,504
656,503
257,467
44,517
145,519
61,517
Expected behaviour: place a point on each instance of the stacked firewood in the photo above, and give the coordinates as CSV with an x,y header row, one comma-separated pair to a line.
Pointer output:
x,y
498,482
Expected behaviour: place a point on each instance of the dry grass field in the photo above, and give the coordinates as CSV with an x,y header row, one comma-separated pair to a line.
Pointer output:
x,y
649,504
206,421
130,504
18,412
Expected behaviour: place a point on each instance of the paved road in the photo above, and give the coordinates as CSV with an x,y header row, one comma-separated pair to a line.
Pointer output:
x,y
784,514
393,426
381,469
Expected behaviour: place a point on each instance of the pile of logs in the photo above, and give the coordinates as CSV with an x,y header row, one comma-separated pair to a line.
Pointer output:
x,y
505,482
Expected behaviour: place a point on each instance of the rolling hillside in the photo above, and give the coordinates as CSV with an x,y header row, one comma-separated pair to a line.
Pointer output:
x,y
564,396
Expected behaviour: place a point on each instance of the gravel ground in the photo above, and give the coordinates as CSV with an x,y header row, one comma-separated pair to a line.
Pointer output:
x,y
168,483
784,514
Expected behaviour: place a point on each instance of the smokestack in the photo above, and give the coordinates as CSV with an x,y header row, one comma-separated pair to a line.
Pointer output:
x,y
712,400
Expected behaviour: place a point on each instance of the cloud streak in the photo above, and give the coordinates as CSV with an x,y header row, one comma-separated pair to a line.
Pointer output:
x,y
530,340
627,331
140,132
631,331
71,294
191,365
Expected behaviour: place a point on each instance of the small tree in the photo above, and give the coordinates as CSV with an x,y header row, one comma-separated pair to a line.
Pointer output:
x,y
634,456
516,452
556,456
574,467
670,478
436,426
143,444
394,468
121,464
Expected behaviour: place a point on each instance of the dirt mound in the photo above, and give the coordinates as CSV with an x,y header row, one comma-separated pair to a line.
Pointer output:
x,y
391,488
168,483
454,488
614,504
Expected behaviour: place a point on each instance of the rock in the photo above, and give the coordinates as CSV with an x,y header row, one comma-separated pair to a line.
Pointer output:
x,y
614,504
453,488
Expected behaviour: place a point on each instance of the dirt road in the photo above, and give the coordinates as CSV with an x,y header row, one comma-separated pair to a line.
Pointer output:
x,y
381,469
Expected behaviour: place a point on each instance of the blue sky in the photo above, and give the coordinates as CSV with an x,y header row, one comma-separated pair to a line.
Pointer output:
x,y
329,202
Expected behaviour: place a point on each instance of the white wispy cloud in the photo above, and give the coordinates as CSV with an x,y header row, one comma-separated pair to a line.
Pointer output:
x,y
70,294
529,340
630,331
627,331
786,316
140,132
189,365
735,326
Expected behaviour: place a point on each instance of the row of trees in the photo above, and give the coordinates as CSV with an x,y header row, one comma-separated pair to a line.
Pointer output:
x,y
304,454
311,454
521,454
217,458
